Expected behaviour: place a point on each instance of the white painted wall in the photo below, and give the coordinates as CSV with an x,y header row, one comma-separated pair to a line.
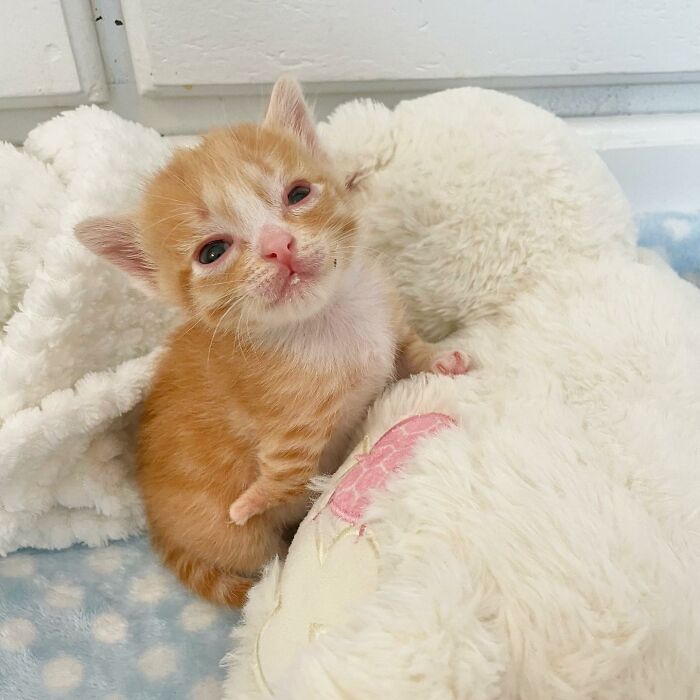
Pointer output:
x,y
48,54
225,44
183,66
656,158
37,44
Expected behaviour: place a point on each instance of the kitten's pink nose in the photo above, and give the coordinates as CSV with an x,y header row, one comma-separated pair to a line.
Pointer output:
x,y
278,245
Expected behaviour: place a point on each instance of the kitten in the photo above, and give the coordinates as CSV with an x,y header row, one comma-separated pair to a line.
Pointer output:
x,y
292,332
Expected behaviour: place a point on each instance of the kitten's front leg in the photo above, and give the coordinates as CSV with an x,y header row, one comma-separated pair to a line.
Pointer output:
x,y
285,471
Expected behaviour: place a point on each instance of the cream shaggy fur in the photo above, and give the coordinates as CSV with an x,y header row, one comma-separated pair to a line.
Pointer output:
x,y
550,547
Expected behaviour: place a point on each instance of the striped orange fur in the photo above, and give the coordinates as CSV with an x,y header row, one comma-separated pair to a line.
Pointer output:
x,y
291,332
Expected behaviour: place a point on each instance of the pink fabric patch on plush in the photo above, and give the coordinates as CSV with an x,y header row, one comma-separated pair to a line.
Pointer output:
x,y
389,454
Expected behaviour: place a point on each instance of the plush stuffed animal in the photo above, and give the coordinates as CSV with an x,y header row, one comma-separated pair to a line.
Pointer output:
x,y
536,535
336,556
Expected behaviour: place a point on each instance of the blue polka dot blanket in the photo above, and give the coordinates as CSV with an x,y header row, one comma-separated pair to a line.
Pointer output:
x,y
106,623
676,238
111,623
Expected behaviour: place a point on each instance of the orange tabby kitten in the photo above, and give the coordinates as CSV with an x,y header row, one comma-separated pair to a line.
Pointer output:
x,y
292,332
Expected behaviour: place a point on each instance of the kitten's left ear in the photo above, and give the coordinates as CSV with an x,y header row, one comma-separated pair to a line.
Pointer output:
x,y
288,110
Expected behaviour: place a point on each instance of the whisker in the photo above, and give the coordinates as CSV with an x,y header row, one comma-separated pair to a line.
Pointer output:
x,y
231,306
191,327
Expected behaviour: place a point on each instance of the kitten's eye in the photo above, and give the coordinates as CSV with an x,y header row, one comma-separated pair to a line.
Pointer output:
x,y
212,251
297,193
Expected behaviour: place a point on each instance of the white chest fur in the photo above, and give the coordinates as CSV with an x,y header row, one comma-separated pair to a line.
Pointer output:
x,y
356,333
355,330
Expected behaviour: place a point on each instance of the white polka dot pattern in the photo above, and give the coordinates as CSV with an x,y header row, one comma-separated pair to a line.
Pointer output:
x,y
106,624
17,634
109,628
208,689
676,238
17,566
65,596
62,673
149,589
105,561
197,616
158,662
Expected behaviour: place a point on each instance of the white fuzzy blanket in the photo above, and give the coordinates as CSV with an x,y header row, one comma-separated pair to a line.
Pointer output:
x,y
77,342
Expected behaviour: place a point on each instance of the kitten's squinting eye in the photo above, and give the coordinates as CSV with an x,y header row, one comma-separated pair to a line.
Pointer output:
x,y
297,193
212,251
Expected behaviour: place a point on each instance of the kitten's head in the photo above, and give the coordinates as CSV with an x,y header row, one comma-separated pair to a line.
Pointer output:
x,y
250,228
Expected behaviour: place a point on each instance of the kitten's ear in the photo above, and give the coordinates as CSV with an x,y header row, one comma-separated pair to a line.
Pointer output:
x,y
288,110
117,240
354,180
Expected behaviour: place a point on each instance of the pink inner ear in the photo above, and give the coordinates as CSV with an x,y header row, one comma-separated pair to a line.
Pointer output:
x,y
288,110
116,240
127,256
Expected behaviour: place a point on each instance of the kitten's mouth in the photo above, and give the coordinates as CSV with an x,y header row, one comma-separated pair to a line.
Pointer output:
x,y
295,283
283,288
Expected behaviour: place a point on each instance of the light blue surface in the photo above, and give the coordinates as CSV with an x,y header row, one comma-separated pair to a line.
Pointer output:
x,y
676,237
111,624
91,623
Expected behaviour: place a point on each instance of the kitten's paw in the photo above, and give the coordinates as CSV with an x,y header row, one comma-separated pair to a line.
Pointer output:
x,y
450,362
251,502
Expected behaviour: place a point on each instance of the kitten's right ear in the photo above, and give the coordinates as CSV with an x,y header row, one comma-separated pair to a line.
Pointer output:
x,y
117,240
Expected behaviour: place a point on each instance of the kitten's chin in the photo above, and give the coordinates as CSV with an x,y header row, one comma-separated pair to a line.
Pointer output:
x,y
301,298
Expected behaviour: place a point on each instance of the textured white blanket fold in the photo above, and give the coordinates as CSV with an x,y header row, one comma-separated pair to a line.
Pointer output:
x,y
77,343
